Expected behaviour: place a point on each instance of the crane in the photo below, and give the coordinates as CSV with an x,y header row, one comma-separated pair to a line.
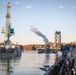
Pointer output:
x,y
7,30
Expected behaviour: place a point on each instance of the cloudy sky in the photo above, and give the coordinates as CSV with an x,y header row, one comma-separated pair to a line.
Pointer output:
x,y
46,15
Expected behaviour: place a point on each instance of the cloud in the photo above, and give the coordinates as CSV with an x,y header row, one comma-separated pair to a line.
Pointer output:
x,y
17,3
73,7
61,7
28,6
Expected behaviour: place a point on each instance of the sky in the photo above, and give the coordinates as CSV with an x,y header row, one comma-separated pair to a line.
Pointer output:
x,y
47,16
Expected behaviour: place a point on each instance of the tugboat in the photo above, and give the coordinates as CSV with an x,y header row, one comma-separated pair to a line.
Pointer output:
x,y
55,51
40,50
8,51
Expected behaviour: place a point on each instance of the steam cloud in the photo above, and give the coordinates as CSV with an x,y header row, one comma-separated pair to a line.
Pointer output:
x,y
35,30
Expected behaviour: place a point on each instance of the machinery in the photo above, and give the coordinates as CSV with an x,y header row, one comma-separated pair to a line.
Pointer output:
x,y
7,30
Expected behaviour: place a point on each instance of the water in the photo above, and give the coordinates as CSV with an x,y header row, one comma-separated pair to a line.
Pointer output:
x,y
28,64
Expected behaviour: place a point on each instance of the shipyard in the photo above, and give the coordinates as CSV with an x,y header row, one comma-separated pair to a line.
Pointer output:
x,y
37,39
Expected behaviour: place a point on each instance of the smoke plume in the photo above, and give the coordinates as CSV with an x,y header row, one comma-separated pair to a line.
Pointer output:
x,y
35,30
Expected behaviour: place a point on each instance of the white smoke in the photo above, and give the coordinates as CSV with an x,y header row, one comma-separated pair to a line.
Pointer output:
x,y
35,30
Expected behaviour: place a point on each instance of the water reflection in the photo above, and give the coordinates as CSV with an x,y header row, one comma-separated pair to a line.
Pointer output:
x,y
28,64
7,66
49,59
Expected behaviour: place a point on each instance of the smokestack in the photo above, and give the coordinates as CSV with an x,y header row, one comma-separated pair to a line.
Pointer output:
x,y
36,31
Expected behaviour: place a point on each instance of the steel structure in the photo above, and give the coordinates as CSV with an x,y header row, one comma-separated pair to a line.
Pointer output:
x,y
7,30
58,39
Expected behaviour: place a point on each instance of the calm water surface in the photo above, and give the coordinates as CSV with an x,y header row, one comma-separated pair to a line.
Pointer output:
x,y
28,64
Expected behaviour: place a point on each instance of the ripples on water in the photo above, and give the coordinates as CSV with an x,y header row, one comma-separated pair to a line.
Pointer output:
x,y
28,64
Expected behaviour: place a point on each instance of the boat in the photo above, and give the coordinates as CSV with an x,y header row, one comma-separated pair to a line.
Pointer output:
x,y
40,50
8,53
55,51
44,50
